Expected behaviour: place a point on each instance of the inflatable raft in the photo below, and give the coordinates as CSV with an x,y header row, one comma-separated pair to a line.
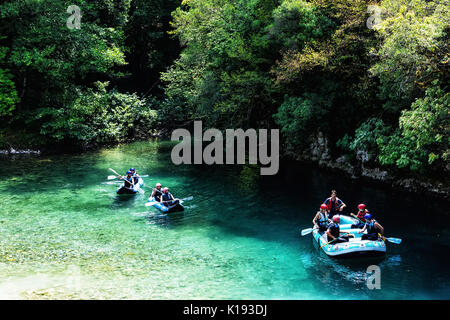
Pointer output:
x,y
124,190
177,207
354,247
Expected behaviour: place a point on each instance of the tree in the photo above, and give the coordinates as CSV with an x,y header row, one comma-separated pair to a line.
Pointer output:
x,y
414,50
8,93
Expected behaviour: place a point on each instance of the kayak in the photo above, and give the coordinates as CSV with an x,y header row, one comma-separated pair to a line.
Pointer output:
x,y
177,207
124,190
354,247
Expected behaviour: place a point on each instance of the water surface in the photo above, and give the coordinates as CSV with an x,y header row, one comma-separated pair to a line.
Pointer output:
x,y
66,235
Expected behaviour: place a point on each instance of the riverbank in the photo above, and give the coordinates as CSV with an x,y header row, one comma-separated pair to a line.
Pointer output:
x,y
319,153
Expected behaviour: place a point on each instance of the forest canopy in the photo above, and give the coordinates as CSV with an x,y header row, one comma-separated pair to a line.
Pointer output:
x,y
371,76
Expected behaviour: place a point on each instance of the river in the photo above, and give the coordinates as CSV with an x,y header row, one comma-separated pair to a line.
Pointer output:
x,y
65,234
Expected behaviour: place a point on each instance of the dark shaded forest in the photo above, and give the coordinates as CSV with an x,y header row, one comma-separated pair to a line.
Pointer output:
x,y
371,76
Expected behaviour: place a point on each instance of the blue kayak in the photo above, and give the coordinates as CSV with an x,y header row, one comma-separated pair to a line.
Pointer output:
x,y
354,247
175,207
124,190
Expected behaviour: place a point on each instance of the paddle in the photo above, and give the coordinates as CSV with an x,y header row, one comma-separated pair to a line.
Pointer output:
x,y
393,240
114,171
151,203
355,216
349,234
115,177
327,243
307,231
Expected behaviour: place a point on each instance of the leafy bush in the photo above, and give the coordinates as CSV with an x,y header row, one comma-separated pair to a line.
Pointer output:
x,y
299,116
365,138
98,117
423,134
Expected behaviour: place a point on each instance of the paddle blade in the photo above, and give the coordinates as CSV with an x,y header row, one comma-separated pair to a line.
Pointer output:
x,y
307,231
394,240
149,204
112,177
188,198
113,171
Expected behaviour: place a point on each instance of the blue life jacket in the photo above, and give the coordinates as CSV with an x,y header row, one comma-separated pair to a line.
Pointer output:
x,y
167,197
371,227
128,182
323,220
334,229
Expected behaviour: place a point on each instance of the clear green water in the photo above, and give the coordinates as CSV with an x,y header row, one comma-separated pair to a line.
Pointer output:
x,y
65,234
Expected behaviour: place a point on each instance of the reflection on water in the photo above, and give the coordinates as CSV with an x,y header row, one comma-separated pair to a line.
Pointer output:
x,y
66,234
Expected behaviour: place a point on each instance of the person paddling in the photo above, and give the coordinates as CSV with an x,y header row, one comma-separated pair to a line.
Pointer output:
x,y
167,198
362,211
134,175
333,232
334,204
373,229
157,192
129,182
321,220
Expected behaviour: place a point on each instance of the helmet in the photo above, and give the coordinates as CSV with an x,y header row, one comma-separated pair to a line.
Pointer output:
x,y
323,206
368,216
158,185
129,172
361,206
132,169
166,189
336,218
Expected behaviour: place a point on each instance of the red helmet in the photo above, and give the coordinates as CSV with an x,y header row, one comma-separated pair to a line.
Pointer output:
x,y
158,185
336,218
166,190
361,206
323,206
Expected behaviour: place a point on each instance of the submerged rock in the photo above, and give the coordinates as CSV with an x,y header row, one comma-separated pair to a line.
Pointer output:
x,y
20,151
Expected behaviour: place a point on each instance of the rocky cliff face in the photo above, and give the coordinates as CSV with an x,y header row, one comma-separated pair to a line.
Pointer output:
x,y
319,152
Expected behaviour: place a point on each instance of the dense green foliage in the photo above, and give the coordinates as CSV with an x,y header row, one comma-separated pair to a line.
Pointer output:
x,y
55,68
8,93
304,66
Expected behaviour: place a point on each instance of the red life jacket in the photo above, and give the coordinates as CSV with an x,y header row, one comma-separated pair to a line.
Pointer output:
x,y
329,203
361,215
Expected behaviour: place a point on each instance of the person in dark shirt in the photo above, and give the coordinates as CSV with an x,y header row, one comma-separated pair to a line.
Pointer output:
x,y
334,233
334,204
373,229
157,192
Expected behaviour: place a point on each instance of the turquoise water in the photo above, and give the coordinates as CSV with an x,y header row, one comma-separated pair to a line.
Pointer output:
x,y
66,235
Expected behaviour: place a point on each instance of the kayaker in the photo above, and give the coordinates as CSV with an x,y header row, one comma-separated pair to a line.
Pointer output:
x,y
373,228
167,198
128,180
134,175
157,192
333,232
334,204
362,211
321,220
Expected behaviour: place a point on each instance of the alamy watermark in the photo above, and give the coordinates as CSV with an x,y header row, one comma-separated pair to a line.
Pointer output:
x,y
213,153
375,18
74,21
374,279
